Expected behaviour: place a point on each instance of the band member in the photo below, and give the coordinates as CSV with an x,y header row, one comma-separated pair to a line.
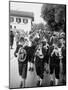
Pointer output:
x,y
63,49
22,65
11,39
53,39
64,64
31,57
32,53
54,64
39,63
22,52
45,51
19,44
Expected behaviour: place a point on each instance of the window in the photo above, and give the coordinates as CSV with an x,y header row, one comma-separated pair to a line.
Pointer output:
x,y
14,26
11,19
10,26
25,21
18,20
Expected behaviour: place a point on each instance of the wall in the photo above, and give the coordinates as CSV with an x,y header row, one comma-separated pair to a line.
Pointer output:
x,y
21,26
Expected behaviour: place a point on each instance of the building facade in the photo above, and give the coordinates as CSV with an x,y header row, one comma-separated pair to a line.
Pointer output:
x,y
21,21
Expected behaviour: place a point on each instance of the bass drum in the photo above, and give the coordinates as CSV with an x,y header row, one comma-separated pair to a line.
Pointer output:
x,y
22,54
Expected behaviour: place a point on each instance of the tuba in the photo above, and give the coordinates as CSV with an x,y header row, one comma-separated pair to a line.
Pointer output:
x,y
22,54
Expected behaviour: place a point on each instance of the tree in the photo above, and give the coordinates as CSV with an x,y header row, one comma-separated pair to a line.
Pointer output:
x,y
40,26
54,15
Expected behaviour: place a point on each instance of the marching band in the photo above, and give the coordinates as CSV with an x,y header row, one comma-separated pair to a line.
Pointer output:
x,y
40,52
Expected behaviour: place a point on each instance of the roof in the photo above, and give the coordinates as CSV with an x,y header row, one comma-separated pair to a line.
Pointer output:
x,y
22,14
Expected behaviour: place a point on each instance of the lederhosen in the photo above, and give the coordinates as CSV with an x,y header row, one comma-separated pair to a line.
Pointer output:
x,y
46,55
31,53
39,64
54,64
45,51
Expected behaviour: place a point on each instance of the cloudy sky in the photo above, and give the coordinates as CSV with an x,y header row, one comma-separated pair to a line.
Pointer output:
x,y
30,7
